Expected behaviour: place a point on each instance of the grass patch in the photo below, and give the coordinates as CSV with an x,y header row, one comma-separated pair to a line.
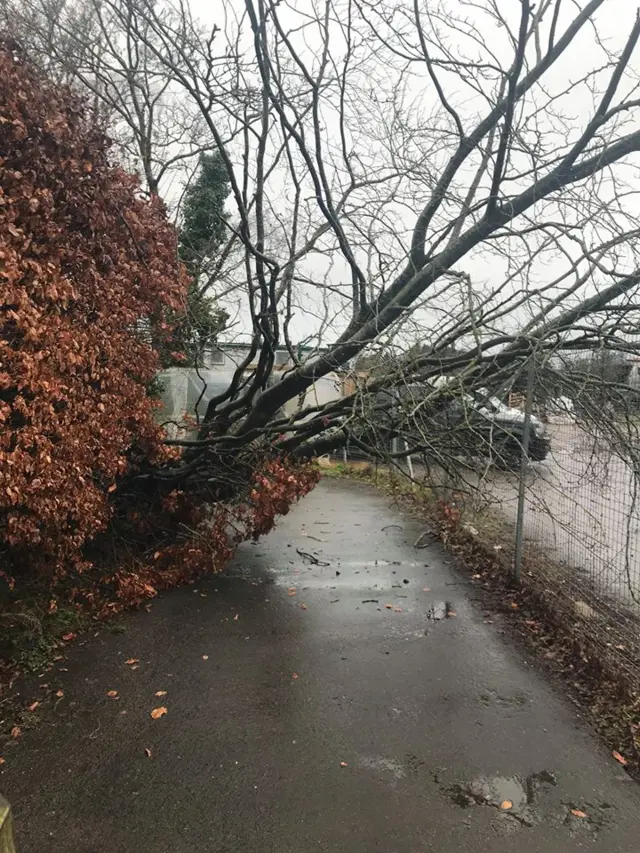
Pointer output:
x,y
31,628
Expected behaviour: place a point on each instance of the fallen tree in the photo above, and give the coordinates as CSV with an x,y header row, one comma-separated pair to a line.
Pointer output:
x,y
393,178
387,188
90,280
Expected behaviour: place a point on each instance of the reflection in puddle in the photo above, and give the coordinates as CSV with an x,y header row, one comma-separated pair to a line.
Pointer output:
x,y
440,610
512,795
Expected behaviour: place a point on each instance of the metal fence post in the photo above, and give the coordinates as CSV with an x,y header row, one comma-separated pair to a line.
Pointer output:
x,y
526,430
6,828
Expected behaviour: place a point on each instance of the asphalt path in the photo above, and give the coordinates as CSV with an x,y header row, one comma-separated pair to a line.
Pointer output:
x,y
338,689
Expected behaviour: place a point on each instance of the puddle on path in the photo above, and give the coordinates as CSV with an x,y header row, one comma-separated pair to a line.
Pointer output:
x,y
440,610
384,765
511,795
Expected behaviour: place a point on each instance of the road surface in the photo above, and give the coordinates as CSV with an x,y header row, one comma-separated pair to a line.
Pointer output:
x,y
304,714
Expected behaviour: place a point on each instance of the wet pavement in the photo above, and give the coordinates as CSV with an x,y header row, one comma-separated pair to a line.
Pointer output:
x,y
338,690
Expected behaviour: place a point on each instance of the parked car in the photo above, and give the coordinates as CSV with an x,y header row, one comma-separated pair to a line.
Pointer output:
x,y
505,427
463,424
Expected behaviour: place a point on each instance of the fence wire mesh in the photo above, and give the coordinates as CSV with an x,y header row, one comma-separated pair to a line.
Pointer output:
x,y
581,530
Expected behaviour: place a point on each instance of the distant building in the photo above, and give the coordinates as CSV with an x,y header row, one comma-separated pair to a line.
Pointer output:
x,y
186,391
633,379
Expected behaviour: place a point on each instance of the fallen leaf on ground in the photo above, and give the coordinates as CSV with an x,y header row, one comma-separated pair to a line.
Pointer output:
x,y
578,813
205,657
619,758
1,760
343,764
292,590
112,694
16,731
131,661
160,693
389,606
33,706
451,613
236,617
158,712
514,605
147,752
69,636
303,607
295,676
59,693
505,805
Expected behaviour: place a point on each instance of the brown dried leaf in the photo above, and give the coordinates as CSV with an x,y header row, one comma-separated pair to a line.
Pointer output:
x,y
160,693
205,657
33,706
1,760
158,712
292,591
343,764
388,606
303,606
60,694
578,813
147,752
131,661
620,758
69,636
295,676
16,732
112,694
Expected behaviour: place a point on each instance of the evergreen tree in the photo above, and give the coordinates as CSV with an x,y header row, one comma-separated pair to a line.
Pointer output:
x,y
201,236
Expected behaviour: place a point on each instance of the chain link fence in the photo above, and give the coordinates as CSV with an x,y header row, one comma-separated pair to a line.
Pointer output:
x,y
579,528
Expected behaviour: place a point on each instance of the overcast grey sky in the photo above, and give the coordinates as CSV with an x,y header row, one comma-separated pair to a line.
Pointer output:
x,y
388,86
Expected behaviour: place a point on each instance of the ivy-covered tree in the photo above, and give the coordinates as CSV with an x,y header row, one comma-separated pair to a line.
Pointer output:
x,y
202,235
